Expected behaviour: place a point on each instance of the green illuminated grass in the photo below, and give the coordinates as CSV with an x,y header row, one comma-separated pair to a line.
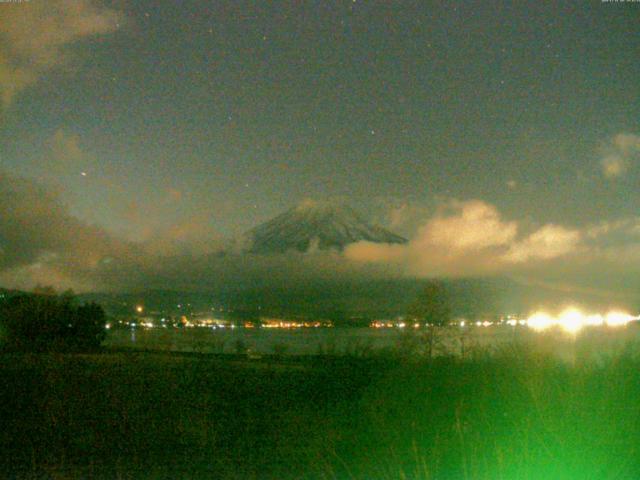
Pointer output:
x,y
510,415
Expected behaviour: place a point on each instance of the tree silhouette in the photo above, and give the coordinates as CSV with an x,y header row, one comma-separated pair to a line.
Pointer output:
x,y
433,307
45,321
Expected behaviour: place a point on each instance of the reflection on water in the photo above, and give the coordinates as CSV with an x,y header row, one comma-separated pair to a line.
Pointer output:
x,y
361,341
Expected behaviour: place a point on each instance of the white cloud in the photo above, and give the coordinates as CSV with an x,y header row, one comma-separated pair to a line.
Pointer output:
x,y
614,166
41,242
550,241
192,236
627,143
35,36
626,227
461,238
470,238
38,236
474,225
619,154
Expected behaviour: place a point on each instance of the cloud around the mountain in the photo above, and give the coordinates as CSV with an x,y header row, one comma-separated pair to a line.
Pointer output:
x,y
467,226
473,238
461,238
546,243
40,242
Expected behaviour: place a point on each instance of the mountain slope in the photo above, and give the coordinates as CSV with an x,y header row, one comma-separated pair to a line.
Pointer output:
x,y
314,225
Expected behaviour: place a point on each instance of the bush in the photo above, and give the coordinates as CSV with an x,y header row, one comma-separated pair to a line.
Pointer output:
x,y
45,322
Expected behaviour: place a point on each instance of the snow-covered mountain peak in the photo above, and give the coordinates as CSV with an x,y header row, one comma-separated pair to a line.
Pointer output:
x,y
317,225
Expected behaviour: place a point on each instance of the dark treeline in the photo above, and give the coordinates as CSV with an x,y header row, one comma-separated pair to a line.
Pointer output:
x,y
46,321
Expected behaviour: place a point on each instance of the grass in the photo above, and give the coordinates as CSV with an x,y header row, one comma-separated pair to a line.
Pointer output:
x,y
513,414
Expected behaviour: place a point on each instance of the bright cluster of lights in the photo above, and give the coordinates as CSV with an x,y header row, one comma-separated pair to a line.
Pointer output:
x,y
292,324
572,320
392,324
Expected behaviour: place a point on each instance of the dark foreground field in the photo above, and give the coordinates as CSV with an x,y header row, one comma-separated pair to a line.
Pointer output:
x,y
144,415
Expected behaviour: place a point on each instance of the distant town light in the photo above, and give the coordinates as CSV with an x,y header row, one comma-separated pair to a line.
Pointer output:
x,y
617,319
139,308
539,321
593,320
571,321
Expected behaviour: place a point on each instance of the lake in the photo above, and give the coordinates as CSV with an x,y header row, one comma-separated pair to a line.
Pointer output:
x,y
364,340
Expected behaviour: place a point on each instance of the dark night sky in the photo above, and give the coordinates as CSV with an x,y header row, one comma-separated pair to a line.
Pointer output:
x,y
519,121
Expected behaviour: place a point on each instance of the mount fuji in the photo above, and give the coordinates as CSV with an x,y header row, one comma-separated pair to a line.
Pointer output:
x,y
315,225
